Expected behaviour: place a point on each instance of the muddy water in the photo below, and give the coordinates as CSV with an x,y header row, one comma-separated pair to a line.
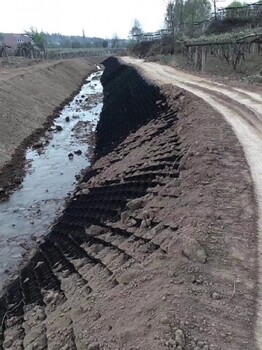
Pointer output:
x,y
51,176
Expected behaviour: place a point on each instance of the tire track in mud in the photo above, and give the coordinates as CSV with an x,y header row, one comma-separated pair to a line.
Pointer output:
x,y
90,248
243,111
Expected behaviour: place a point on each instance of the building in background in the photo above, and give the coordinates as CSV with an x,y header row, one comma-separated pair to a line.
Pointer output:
x,y
14,40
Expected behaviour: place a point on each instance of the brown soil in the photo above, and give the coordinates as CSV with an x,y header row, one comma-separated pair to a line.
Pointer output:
x,y
203,279
190,279
32,98
241,108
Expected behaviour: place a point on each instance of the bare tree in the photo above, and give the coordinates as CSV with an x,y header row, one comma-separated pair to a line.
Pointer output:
x,y
174,17
115,41
214,2
136,30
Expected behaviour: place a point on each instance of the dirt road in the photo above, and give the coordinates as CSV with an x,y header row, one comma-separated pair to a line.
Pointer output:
x,y
242,109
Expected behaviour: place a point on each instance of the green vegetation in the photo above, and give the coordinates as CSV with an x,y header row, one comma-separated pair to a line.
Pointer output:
x,y
39,38
236,4
59,41
181,15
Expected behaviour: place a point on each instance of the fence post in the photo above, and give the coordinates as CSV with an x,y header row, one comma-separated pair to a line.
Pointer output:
x,y
203,59
196,56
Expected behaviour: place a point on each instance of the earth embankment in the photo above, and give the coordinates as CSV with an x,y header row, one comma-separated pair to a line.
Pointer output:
x,y
30,95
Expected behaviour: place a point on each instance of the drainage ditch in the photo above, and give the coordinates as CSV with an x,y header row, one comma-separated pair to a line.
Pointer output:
x,y
52,165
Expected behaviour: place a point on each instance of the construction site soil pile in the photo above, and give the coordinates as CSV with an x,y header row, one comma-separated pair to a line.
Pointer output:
x,y
157,248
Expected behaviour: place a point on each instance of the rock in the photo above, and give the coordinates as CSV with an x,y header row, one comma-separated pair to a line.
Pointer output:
x,y
147,218
95,230
164,320
124,217
66,347
66,273
67,119
93,346
85,191
38,145
40,314
7,343
17,180
24,245
200,344
41,342
173,226
59,128
135,204
78,263
2,190
50,297
216,296
78,152
132,222
70,156
83,185
180,338
128,276
193,250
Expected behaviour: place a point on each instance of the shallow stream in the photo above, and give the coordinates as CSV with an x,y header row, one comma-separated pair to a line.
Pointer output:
x,y
53,165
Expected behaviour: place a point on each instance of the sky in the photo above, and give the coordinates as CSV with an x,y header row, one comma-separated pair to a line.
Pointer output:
x,y
100,18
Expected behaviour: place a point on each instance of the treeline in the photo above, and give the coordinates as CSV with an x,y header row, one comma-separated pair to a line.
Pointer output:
x,y
184,17
75,42
79,42
181,15
59,41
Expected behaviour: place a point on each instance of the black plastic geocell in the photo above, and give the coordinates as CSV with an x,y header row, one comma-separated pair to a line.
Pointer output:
x,y
129,102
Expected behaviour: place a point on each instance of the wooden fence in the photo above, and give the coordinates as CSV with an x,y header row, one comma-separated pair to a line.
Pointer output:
x,y
233,52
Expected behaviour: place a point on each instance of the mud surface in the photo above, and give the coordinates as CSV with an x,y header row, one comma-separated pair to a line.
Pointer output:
x,y
158,248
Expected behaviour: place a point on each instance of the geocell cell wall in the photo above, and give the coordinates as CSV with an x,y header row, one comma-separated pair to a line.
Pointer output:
x,y
129,102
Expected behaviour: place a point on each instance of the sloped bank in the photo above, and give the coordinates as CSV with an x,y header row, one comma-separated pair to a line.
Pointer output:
x,y
30,99
157,249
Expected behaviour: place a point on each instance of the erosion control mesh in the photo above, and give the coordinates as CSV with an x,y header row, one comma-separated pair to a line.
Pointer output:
x,y
90,235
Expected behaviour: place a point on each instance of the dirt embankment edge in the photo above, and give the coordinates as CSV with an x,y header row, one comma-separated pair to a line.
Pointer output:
x,y
30,100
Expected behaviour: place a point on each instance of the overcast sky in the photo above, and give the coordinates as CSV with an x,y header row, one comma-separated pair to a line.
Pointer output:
x,y
101,18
